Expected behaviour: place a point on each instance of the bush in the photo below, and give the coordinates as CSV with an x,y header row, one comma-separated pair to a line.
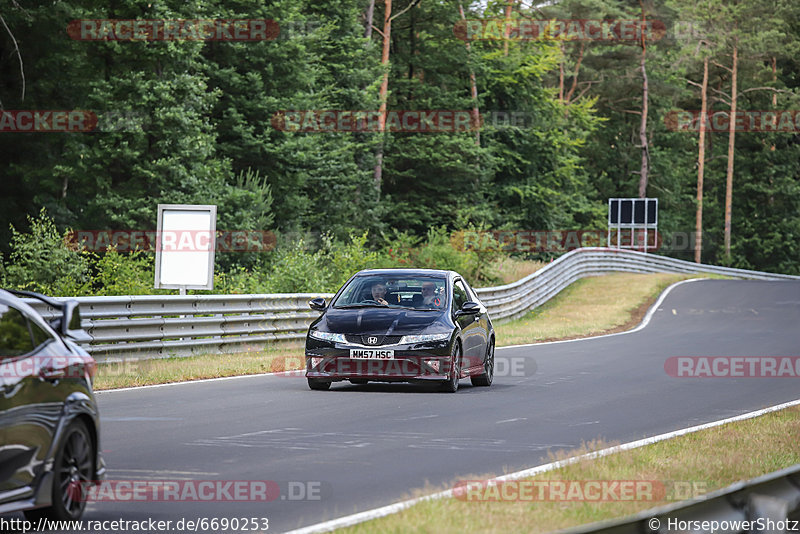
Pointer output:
x,y
45,261
124,274
297,270
440,250
240,281
342,260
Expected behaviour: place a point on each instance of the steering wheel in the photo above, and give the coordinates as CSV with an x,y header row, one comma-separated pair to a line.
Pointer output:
x,y
371,301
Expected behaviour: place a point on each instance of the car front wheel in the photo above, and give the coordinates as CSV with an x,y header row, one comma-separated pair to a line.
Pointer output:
x,y
488,368
451,384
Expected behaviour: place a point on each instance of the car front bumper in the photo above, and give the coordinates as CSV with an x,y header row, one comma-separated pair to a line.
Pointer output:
x,y
422,361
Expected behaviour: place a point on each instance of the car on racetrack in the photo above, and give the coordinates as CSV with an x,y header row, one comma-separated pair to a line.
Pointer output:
x,y
49,422
401,325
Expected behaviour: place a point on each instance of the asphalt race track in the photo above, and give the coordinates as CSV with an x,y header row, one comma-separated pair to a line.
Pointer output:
x,y
360,447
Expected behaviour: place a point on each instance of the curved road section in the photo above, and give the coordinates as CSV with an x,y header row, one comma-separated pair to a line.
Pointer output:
x,y
322,455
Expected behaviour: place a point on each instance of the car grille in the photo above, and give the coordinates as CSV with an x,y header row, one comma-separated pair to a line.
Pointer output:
x,y
364,340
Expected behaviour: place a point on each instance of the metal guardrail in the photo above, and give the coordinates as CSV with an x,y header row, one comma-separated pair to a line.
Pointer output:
x,y
516,299
153,326
769,503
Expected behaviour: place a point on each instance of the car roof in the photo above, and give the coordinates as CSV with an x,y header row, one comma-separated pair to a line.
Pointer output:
x,y
21,305
408,272
15,300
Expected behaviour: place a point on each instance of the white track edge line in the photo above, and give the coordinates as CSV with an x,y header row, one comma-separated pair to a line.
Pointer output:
x,y
641,325
375,513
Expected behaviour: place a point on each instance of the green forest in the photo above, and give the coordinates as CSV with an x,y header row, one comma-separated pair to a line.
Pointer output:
x,y
567,121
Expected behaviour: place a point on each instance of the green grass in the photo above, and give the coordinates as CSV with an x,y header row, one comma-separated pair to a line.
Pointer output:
x,y
590,306
129,373
686,466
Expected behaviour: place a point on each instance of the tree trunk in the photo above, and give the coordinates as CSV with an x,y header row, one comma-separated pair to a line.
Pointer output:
x,y
387,35
731,139
370,11
561,74
643,124
701,164
507,29
476,116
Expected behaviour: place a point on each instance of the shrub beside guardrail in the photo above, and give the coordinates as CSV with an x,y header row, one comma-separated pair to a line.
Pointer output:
x,y
153,326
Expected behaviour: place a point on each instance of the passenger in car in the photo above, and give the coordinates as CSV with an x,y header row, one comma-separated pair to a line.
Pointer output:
x,y
429,298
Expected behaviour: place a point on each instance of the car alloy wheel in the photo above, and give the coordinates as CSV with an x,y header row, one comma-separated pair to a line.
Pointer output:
x,y
72,469
488,368
451,384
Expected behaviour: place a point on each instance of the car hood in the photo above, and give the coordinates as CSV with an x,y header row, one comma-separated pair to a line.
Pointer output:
x,y
380,321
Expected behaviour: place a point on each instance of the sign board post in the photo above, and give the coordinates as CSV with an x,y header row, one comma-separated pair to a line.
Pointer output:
x,y
637,216
185,246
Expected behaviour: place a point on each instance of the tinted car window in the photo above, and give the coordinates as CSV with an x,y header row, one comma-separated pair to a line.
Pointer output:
x,y
39,336
459,295
15,337
473,295
403,291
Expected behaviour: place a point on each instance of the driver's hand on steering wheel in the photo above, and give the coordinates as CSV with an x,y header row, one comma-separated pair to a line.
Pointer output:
x,y
381,301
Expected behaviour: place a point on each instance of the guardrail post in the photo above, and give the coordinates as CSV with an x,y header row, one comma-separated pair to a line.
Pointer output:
x,y
766,507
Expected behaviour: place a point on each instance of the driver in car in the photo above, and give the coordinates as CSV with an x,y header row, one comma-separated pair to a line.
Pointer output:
x,y
378,292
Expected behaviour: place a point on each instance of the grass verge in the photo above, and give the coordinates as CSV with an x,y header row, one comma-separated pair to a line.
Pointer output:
x,y
682,467
590,306
130,373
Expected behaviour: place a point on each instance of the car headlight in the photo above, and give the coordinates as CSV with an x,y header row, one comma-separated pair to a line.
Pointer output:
x,y
405,340
327,336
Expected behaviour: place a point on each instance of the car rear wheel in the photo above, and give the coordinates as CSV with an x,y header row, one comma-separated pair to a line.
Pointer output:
x,y
488,368
451,384
319,385
72,469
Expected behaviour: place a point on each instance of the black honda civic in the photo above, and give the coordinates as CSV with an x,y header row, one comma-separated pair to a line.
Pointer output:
x,y
401,325
50,453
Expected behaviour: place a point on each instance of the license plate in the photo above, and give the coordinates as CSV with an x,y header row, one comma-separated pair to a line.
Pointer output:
x,y
371,354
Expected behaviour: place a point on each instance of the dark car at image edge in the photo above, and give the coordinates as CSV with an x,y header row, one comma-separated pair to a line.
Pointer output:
x,y
49,420
401,325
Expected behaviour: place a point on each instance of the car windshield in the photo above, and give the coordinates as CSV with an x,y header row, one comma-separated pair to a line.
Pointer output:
x,y
415,291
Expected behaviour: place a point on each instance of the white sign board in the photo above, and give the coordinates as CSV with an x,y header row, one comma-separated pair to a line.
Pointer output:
x,y
185,246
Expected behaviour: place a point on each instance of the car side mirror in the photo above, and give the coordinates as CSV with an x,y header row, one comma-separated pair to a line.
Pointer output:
x,y
70,326
469,308
317,304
